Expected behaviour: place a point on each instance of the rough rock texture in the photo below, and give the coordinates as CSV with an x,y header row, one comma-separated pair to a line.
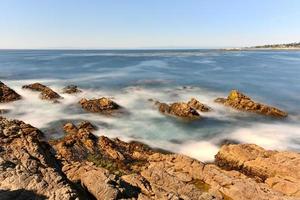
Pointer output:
x,y
71,89
197,105
119,157
182,110
102,105
113,169
7,94
279,170
27,165
109,167
242,102
46,92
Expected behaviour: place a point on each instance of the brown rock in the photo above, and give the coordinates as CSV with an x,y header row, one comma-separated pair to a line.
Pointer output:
x,y
7,94
197,105
182,110
279,170
96,180
115,155
46,92
113,169
242,102
102,105
26,164
86,125
71,89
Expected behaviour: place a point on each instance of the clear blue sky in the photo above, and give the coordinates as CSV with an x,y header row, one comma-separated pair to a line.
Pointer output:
x,y
147,23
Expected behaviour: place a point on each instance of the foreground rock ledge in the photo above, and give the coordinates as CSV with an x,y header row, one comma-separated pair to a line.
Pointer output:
x,y
113,169
279,170
46,92
27,166
242,102
7,94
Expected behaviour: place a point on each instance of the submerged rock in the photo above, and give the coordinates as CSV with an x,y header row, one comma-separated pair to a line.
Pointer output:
x,y
71,89
4,111
197,105
242,102
7,94
279,170
46,92
102,105
26,164
182,110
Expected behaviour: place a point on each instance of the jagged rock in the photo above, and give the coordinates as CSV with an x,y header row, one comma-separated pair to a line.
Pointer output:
x,y
102,105
7,94
113,169
86,125
279,170
197,105
46,92
26,163
115,155
182,110
242,102
187,178
71,89
97,180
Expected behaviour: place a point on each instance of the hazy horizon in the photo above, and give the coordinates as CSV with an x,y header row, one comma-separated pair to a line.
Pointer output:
x,y
132,24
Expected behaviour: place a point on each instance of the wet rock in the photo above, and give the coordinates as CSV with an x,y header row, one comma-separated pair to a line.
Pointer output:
x,y
46,92
197,105
86,125
27,164
279,170
7,94
102,105
242,102
113,154
182,110
71,89
227,142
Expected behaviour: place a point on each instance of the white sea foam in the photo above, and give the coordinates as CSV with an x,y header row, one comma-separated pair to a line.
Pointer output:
x,y
146,124
202,150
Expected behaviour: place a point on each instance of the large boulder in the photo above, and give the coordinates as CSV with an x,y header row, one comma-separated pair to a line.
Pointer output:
x,y
279,170
181,110
46,92
102,105
242,102
27,168
7,94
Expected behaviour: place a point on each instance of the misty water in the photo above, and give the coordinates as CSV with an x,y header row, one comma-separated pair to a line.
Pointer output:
x,y
131,77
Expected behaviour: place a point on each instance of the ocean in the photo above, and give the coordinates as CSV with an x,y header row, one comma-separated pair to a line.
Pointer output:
x,y
132,77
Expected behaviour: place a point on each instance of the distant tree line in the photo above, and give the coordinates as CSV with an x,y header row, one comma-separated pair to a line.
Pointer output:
x,y
289,45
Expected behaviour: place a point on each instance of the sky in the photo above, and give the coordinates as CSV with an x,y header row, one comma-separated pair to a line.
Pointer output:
x,y
114,24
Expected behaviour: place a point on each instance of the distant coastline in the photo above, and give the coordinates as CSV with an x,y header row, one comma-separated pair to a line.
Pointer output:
x,y
288,46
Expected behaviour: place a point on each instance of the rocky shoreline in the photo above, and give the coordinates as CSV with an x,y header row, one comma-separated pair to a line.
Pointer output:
x,y
81,165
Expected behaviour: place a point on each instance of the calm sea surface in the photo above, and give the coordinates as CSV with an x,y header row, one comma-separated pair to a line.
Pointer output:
x,y
131,77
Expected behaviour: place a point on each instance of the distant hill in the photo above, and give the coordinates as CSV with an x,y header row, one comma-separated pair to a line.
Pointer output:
x,y
280,46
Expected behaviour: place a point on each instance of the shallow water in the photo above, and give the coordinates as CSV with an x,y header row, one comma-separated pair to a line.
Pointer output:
x,y
132,77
